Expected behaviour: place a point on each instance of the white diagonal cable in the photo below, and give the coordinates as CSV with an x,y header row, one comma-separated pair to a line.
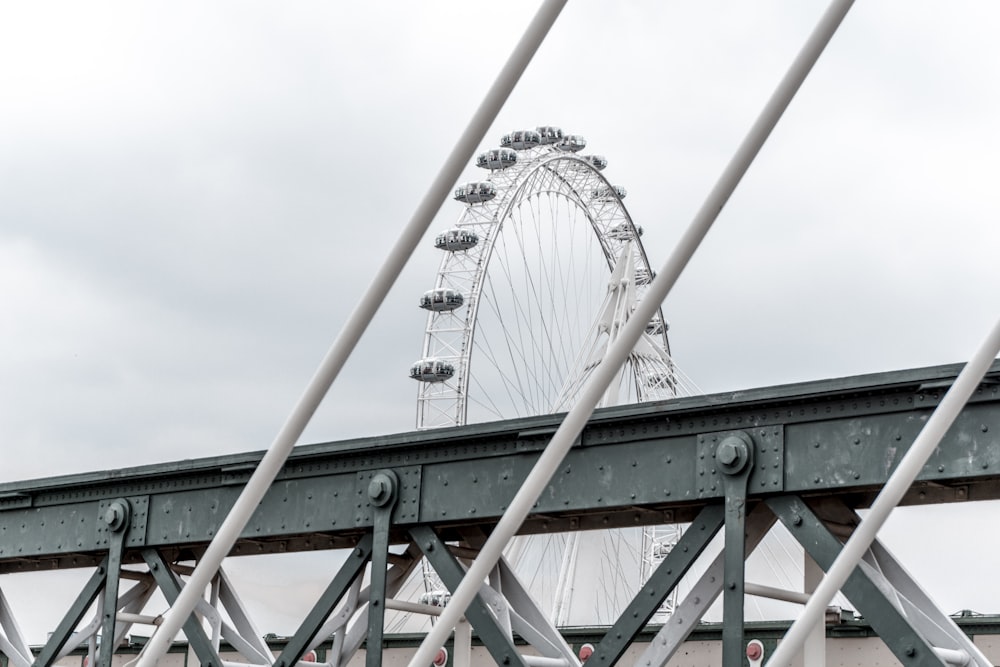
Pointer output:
x,y
574,422
342,347
890,495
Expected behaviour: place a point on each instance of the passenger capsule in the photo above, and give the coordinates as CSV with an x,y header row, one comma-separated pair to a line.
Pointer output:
x,y
550,134
441,299
432,370
598,162
521,140
623,232
475,192
454,240
571,143
437,598
496,158
644,276
609,192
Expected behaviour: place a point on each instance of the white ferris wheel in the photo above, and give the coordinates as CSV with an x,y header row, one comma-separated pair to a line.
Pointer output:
x,y
537,277
540,272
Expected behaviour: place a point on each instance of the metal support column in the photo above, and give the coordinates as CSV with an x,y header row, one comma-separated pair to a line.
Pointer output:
x,y
382,493
116,517
734,457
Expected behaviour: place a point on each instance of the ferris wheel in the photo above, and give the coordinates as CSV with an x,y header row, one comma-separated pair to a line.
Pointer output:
x,y
537,277
540,272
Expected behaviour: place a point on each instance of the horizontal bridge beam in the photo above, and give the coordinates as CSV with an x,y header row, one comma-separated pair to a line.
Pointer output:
x,y
634,465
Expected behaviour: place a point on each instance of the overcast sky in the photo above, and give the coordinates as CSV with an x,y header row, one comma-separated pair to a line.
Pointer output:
x,y
193,196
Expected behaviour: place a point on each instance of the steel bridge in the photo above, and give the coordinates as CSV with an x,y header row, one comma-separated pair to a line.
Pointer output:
x,y
806,455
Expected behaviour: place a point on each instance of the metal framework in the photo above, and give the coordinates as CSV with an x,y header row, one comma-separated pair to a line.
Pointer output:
x,y
812,455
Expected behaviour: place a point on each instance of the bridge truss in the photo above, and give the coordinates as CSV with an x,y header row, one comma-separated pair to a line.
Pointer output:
x,y
809,456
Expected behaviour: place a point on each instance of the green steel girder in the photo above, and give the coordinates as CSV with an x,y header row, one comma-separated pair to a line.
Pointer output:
x,y
498,643
58,638
663,580
633,465
352,568
170,586
877,605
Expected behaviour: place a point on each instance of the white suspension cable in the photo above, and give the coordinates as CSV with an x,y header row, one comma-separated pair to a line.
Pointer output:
x,y
890,495
577,418
342,347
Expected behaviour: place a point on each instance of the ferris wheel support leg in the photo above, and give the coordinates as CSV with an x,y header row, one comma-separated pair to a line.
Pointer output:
x,y
342,347
895,487
599,381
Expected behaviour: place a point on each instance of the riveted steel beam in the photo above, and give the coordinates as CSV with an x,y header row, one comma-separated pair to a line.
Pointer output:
x,y
633,465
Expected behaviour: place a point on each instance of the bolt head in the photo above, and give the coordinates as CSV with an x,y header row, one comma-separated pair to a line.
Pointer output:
x,y
728,453
381,489
114,516
734,453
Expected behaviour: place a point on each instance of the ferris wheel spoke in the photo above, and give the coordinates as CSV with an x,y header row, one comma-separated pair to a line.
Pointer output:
x,y
516,330
512,384
551,278
548,341
525,318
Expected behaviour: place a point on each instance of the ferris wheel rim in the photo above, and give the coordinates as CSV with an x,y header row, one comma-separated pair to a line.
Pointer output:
x,y
572,174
